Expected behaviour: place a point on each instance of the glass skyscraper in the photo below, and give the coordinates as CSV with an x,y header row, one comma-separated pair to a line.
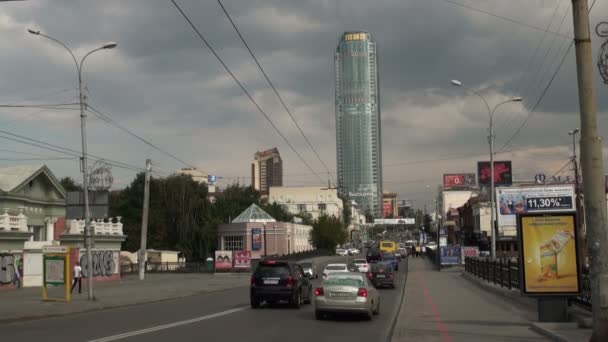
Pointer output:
x,y
358,133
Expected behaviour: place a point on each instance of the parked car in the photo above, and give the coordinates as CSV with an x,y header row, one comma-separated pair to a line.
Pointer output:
x,y
274,281
392,259
361,265
353,251
431,245
373,255
341,252
402,251
346,293
310,269
334,268
382,274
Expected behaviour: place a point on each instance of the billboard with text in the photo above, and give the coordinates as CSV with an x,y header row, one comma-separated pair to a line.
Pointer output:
x,y
459,180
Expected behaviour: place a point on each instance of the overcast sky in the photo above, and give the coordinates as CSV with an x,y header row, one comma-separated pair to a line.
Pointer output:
x,y
165,85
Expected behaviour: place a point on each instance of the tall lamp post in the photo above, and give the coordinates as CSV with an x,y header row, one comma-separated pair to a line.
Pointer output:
x,y
87,214
491,141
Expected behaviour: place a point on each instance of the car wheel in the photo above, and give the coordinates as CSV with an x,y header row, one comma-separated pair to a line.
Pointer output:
x,y
370,313
318,315
309,297
297,301
377,311
255,302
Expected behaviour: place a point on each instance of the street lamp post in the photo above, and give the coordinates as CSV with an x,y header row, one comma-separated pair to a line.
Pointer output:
x,y
579,215
85,182
491,141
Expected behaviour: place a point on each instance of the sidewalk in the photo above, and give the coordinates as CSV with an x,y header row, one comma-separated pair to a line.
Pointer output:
x,y
443,306
27,302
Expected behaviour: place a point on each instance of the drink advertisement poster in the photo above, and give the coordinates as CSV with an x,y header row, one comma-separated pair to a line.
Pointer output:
x,y
513,201
223,260
256,239
450,255
548,253
242,259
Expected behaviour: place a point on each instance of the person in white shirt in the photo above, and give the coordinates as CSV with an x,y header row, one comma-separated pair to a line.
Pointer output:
x,y
77,278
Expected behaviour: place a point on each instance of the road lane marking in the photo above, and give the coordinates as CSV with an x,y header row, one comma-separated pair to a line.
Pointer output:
x,y
168,326
429,299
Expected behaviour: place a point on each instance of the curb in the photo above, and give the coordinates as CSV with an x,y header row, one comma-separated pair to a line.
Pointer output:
x,y
545,330
397,311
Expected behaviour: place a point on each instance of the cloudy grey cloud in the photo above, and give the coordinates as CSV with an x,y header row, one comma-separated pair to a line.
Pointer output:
x,y
162,83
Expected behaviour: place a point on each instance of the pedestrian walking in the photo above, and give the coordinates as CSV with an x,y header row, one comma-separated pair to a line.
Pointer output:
x,y
18,273
77,278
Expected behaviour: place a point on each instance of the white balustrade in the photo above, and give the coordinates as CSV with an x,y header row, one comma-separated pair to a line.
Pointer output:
x,y
100,227
10,222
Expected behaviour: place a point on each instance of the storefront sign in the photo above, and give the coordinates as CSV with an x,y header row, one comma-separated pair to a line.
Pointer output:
x,y
256,239
223,260
548,253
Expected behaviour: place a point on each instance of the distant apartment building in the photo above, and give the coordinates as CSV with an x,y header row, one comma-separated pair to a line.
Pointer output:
x,y
313,200
201,177
266,170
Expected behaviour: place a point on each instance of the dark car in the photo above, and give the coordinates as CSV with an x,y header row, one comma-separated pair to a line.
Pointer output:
x,y
392,259
373,255
310,269
382,274
274,281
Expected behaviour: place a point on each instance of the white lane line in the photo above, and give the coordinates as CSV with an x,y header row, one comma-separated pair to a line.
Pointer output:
x,y
168,326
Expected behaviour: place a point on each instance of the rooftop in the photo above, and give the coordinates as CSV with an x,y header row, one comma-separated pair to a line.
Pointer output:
x,y
253,214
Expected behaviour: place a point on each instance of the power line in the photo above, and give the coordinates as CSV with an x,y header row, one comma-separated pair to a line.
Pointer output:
x,y
273,87
202,38
33,159
109,120
514,21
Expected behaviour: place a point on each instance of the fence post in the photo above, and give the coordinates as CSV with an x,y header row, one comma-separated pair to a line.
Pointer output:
x,y
501,273
509,273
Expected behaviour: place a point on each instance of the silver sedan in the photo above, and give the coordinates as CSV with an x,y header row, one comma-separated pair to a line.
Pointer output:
x,y
347,292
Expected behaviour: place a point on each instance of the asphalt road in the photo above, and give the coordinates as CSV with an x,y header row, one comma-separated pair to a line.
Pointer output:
x,y
220,316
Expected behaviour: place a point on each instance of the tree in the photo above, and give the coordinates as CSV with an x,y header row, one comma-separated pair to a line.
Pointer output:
x,y
69,184
306,218
277,211
328,232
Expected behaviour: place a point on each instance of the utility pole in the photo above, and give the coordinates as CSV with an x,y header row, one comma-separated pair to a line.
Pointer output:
x,y
580,238
593,173
144,223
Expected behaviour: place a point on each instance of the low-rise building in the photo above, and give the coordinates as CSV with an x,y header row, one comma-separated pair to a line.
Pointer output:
x,y
313,200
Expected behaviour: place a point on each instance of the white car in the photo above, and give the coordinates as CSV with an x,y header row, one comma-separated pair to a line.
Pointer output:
x,y
362,265
431,245
334,268
341,252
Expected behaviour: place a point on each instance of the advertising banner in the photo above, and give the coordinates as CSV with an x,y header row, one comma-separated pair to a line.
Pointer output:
x,y
242,259
511,201
459,180
469,252
443,241
548,251
503,173
223,260
450,255
395,221
387,209
256,239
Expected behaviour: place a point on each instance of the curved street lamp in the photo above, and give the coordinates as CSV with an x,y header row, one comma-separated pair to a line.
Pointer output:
x,y
491,141
87,213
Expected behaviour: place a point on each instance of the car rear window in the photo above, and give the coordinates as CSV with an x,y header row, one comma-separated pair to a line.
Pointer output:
x,y
360,261
387,245
306,265
278,270
388,256
357,282
383,267
335,268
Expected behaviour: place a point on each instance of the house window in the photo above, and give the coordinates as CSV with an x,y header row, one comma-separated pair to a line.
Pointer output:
x,y
301,207
322,206
234,243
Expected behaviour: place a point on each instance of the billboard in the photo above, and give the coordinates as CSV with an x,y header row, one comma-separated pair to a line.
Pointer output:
x,y
98,204
548,247
503,173
387,209
450,255
469,251
459,180
242,259
511,201
223,260
256,239
395,221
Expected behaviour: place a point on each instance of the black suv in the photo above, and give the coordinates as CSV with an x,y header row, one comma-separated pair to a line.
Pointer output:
x,y
273,281
373,255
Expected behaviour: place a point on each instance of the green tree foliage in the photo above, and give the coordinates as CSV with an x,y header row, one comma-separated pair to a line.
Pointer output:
x,y
306,218
277,211
69,184
328,232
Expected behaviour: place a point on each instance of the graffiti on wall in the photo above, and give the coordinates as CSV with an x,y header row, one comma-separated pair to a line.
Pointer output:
x,y
104,263
10,268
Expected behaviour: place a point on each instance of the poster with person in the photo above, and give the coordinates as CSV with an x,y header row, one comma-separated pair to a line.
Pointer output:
x,y
223,260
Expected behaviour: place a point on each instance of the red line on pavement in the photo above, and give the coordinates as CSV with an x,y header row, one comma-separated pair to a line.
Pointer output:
x,y
429,299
